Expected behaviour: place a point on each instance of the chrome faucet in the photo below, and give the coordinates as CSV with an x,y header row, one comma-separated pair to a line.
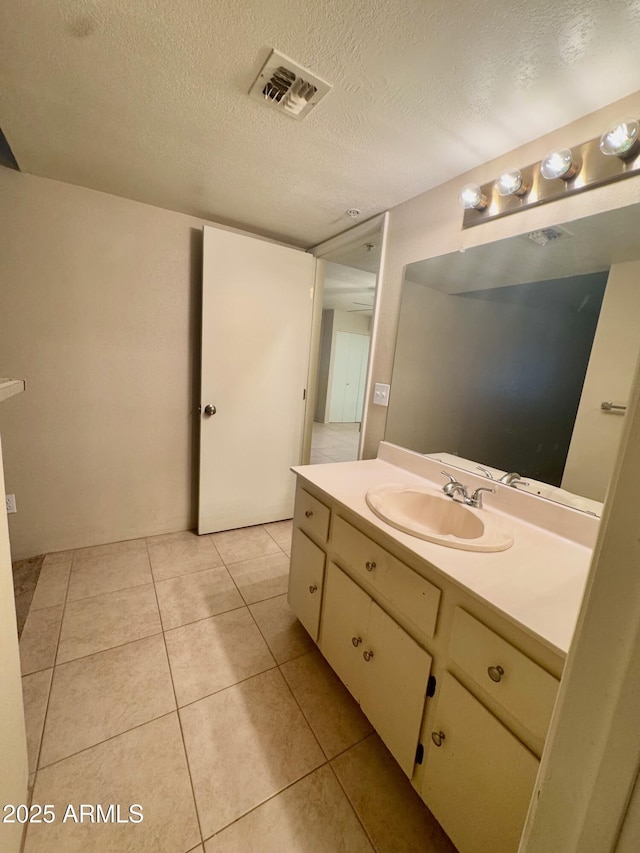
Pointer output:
x,y
487,473
453,487
512,479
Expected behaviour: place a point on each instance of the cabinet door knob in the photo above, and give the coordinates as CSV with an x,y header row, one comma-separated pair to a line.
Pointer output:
x,y
495,673
309,513
367,655
437,738
369,565
313,588
356,641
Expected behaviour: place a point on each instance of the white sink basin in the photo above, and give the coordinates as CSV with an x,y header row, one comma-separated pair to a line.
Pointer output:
x,y
437,518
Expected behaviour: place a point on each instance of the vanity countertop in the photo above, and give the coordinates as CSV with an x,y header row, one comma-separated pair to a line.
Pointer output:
x,y
9,387
538,583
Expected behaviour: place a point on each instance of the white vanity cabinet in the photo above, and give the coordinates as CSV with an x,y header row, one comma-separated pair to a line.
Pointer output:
x,y
385,670
461,696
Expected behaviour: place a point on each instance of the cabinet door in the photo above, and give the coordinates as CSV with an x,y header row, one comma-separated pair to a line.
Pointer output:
x,y
394,686
306,577
479,781
343,634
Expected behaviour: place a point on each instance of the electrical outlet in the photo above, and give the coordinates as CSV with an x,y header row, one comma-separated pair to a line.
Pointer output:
x,y
11,503
381,394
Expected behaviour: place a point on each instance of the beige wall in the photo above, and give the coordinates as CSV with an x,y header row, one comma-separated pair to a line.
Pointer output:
x,y
431,224
99,313
13,744
429,387
612,364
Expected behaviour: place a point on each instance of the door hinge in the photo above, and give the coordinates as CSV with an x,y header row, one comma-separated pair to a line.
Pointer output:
x,y
419,754
304,393
431,685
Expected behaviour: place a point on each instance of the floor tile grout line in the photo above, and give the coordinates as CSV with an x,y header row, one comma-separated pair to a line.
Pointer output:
x,y
189,574
304,716
266,800
228,686
108,648
53,675
177,711
355,743
353,808
342,751
106,740
201,618
273,654
108,592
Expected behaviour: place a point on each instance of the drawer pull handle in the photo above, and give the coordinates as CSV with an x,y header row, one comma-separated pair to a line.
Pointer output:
x,y
313,588
356,641
495,673
438,737
309,513
367,655
369,565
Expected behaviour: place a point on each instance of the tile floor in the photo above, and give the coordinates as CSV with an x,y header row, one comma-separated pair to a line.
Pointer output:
x,y
334,442
25,578
170,672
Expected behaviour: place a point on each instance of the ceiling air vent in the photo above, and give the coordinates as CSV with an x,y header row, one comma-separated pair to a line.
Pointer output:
x,y
288,87
548,235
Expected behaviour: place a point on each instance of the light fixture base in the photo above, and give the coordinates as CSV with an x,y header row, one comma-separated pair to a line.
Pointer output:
x,y
595,170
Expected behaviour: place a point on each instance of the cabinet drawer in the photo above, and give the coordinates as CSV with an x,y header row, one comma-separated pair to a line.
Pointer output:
x,y
306,580
406,590
519,685
312,516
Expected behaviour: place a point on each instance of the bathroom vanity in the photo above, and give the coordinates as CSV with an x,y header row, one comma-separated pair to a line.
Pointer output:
x,y
454,656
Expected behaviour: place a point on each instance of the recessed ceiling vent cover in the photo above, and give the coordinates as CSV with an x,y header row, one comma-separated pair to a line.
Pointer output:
x,y
288,87
548,235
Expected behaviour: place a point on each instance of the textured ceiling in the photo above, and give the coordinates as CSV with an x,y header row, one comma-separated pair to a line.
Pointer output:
x,y
148,99
348,289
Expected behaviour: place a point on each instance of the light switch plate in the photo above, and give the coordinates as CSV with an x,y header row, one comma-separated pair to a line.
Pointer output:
x,y
381,394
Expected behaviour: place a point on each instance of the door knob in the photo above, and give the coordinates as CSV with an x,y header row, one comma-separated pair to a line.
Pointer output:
x,y
209,409
313,588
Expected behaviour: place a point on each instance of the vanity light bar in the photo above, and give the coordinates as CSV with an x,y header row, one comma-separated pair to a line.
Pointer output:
x,y
587,166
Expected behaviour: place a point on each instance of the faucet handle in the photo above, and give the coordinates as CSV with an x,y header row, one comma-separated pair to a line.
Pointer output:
x,y
450,476
476,498
487,473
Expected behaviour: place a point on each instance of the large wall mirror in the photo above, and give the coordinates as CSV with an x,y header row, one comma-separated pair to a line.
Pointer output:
x,y
506,352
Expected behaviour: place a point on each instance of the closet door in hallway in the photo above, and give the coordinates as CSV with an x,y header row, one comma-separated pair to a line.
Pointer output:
x,y
348,379
257,298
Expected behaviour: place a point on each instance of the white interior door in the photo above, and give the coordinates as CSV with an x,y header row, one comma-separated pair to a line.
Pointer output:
x,y
256,327
348,378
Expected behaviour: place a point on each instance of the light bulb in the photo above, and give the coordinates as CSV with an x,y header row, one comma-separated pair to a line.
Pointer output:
x,y
511,183
620,138
559,164
471,197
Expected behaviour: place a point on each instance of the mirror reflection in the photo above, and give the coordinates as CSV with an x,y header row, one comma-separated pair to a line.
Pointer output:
x,y
506,352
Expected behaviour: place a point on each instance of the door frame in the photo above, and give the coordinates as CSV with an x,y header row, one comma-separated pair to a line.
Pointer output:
x,y
378,227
